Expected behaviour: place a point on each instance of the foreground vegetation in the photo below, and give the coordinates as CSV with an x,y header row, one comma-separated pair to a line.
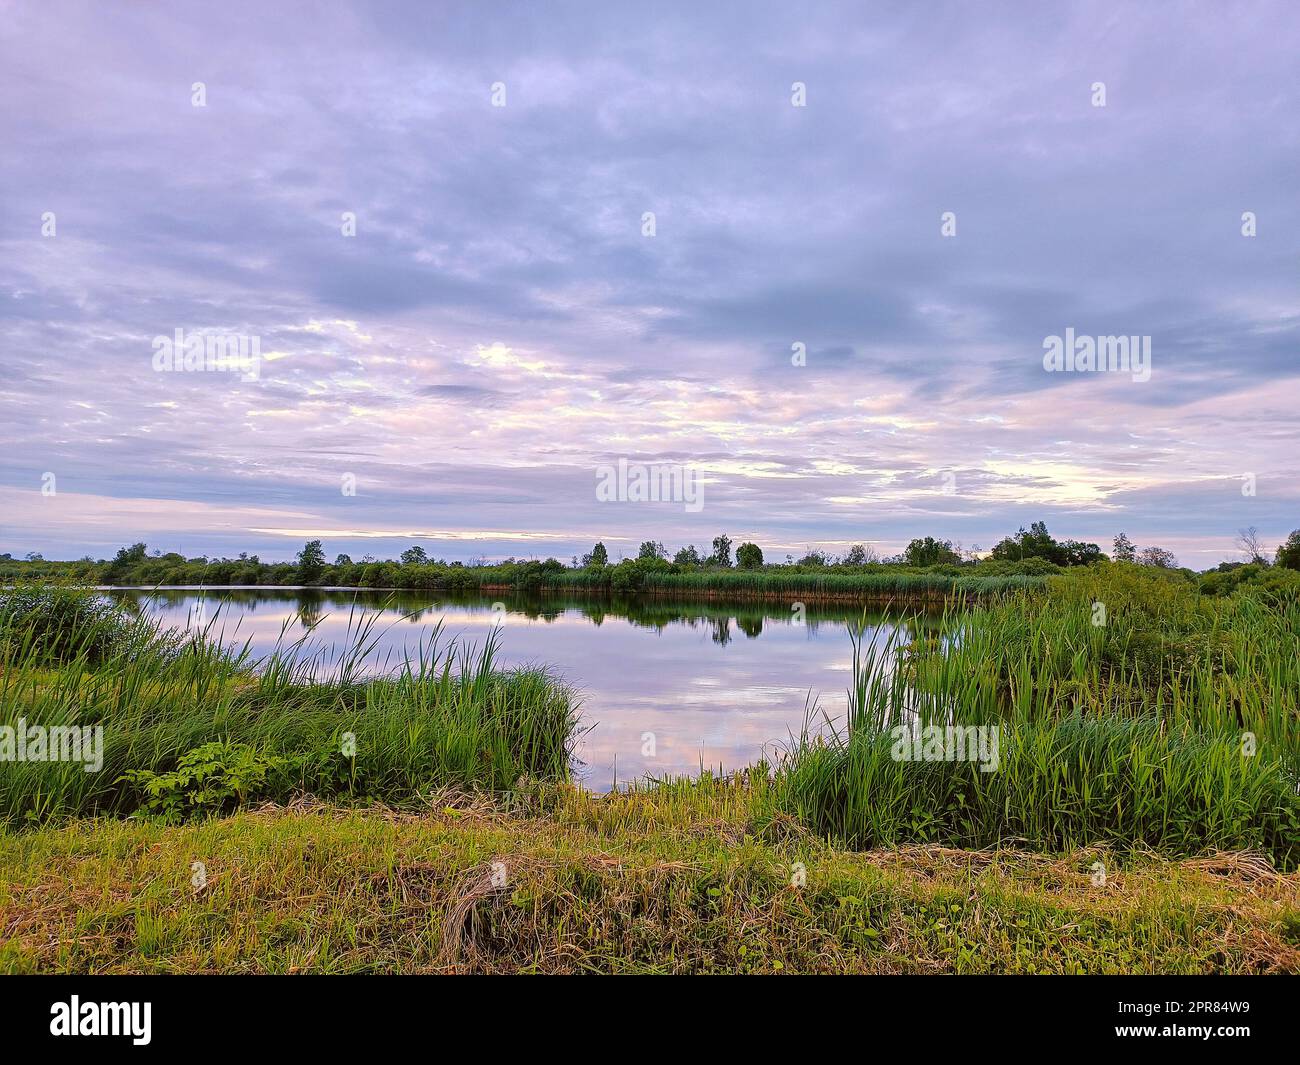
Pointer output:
x,y
1129,712
1142,725
679,880
190,727
1129,709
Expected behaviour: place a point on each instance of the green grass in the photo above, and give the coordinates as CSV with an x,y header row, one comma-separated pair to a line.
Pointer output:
x,y
778,583
652,577
448,717
1121,750
680,880
1123,782
1172,725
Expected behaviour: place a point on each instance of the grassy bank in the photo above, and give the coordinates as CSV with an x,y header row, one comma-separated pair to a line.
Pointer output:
x,y
872,582
850,587
683,880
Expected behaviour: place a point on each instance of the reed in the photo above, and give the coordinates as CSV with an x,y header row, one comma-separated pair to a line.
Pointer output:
x,y
444,716
1168,720
779,583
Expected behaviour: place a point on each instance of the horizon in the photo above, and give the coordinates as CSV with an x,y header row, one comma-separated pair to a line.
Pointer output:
x,y
970,554
815,265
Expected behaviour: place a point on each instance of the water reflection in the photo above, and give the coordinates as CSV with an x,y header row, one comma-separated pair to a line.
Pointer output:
x,y
695,683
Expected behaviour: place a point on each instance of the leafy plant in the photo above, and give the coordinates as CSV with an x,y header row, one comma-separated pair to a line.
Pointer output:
x,y
211,779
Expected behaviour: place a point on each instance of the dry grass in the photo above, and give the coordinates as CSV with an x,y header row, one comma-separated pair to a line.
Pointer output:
x,y
570,883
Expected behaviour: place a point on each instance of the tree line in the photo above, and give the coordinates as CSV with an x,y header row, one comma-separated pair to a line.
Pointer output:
x,y
1032,549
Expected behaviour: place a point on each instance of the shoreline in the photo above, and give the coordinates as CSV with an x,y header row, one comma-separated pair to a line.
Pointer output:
x,y
604,592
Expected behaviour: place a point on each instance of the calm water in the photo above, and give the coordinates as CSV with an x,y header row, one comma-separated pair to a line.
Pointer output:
x,y
715,683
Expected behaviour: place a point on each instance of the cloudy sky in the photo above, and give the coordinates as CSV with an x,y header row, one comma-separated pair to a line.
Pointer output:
x,y
501,324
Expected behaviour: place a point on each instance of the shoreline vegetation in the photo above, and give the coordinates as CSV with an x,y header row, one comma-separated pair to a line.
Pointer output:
x,y
878,582
1158,737
928,570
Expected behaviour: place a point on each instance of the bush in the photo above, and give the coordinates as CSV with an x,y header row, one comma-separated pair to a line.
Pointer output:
x,y
57,624
212,779
1273,583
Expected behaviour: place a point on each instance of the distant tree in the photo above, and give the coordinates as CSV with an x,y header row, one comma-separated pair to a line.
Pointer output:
x,y
651,549
311,562
35,556
1158,557
343,560
930,552
132,555
1008,549
414,556
126,559
1248,544
1075,553
598,557
721,550
857,556
813,558
1288,552
687,556
1124,549
749,556
1036,542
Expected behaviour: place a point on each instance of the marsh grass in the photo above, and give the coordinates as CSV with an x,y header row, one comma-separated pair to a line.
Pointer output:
x,y
1172,725
927,587
446,715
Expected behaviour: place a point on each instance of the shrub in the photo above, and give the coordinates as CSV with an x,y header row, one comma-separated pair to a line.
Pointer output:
x,y
56,624
211,779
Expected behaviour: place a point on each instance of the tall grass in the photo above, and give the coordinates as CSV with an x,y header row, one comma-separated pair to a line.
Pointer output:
x,y
1131,711
1168,720
446,716
1129,782
47,623
881,585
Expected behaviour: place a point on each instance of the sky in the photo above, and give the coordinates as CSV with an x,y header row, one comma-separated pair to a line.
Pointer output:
x,y
806,256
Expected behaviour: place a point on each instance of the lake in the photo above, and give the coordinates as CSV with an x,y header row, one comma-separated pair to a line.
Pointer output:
x,y
715,683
